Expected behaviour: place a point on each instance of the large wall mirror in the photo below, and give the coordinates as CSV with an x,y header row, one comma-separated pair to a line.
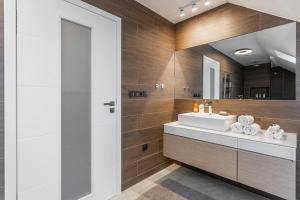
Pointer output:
x,y
260,65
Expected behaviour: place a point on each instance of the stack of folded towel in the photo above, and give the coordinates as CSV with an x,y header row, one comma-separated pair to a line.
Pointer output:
x,y
246,125
275,132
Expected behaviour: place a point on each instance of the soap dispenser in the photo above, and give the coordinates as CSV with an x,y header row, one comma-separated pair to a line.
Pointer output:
x,y
195,108
201,108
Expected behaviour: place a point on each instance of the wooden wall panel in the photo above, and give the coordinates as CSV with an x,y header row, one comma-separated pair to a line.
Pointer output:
x,y
256,77
147,58
223,22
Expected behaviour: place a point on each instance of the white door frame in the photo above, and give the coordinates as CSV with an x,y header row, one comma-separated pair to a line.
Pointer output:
x,y
10,88
206,77
100,12
10,98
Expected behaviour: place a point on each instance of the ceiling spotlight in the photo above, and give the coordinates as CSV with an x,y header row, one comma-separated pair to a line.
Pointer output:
x,y
194,7
182,14
242,52
206,2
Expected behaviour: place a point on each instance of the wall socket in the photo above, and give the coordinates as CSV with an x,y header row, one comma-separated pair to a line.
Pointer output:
x,y
137,94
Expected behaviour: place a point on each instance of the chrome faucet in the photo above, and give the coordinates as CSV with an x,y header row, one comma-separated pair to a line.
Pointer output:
x,y
208,104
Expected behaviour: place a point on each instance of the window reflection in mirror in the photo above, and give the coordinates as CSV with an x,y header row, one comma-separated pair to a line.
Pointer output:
x,y
260,65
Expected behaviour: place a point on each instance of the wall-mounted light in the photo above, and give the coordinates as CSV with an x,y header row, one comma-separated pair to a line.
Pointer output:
x,y
242,52
182,14
206,2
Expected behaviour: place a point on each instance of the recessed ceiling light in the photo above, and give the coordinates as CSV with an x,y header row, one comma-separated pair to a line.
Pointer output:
x,y
194,7
242,52
206,2
182,14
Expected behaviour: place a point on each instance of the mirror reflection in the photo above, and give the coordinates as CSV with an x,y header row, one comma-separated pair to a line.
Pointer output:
x,y
260,65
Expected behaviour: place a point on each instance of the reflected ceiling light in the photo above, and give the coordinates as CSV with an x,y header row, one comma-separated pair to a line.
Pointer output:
x,y
242,52
182,14
206,2
286,57
194,7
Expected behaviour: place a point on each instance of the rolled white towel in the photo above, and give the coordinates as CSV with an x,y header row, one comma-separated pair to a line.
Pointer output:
x,y
246,120
279,134
269,134
237,128
252,129
273,129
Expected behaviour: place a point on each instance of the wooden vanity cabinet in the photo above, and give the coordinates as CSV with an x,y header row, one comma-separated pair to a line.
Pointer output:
x,y
213,158
267,173
270,174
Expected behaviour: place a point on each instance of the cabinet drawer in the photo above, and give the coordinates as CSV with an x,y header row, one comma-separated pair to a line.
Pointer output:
x,y
273,175
280,151
213,158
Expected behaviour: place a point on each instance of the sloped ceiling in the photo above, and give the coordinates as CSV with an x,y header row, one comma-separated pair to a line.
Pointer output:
x,y
168,9
264,44
289,9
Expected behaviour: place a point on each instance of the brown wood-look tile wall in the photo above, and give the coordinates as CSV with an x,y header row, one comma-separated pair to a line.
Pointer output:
x,y
189,71
148,43
256,76
223,22
230,21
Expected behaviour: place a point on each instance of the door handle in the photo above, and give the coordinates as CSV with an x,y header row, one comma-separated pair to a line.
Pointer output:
x,y
111,103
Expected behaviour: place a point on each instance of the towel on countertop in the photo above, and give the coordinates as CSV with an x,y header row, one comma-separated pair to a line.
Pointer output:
x,y
246,120
279,134
275,132
268,134
273,129
252,129
237,127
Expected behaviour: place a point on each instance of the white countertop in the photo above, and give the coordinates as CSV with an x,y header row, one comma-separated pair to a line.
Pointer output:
x,y
261,144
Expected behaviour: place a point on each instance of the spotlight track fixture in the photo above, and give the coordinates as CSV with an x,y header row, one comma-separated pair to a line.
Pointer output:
x,y
182,14
206,2
193,5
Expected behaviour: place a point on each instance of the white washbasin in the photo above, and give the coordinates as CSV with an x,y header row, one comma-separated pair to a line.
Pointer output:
x,y
206,121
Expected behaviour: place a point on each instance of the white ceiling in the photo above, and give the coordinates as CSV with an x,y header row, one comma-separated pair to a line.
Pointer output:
x,y
264,45
169,8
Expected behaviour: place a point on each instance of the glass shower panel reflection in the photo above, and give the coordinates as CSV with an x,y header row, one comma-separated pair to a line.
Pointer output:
x,y
76,110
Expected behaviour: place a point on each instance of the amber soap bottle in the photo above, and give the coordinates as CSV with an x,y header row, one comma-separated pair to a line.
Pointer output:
x,y
196,108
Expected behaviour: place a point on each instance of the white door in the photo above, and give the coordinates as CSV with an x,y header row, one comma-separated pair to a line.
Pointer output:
x,y
68,101
211,78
